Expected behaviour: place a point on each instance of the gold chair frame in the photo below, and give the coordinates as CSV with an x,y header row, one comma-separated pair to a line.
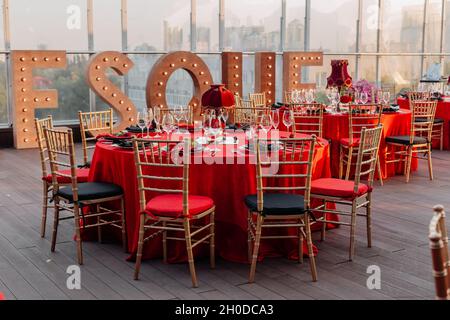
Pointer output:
x,y
308,111
259,99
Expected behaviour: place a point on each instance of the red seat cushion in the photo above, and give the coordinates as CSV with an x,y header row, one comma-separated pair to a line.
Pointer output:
x,y
338,188
171,205
346,142
82,176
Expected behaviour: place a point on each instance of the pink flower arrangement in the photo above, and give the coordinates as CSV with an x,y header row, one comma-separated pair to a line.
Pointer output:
x,y
367,87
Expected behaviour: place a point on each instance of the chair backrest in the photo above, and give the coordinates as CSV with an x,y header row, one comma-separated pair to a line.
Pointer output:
x,y
61,154
439,253
162,167
362,116
367,155
423,112
259,99
288,97
418,95
248,113
288,169
308,118
237,100
92,124
40,124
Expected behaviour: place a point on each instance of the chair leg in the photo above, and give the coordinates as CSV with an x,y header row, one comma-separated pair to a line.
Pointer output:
x,y
212,242
408,163
187,235
124,226
324,224
430,164
76,210
341,162
312,259
249,236
44,207
349,162
55,224
300,242
137,267
369,220
352,232
441,138
99,228
380,173
164,242
259,223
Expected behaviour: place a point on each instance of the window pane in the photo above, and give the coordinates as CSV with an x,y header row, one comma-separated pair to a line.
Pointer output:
x,y
137,78
252,25
400,72
402,26
367,68
295,25
333,25
73,91
159,25
433,27
248,75
3,104
369,26
207,25
447,29
107,25
214,63
48,24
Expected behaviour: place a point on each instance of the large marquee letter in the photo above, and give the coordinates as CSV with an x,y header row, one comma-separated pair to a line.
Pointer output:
x,y
265,75
292,68
232,71
25,98
108,92
165,66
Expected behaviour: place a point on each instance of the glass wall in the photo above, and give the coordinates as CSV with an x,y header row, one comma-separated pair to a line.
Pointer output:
x,y
390,42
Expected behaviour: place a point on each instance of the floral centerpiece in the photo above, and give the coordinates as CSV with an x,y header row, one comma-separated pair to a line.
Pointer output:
x,y
367,87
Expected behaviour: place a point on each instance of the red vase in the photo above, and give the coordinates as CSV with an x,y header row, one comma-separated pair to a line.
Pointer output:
x,y
339,76
217,97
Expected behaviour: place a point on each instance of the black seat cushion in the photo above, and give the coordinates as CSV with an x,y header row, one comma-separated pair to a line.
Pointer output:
x,y
91,191
405,140
277,203
436,120
85,165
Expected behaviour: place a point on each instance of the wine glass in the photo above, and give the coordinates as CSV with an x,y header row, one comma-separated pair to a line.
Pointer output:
x,y
215,130
275,115
288,119
178,115
148,116
309,96
357,97
157,119
224,114
364,97
141,122
167,123
386,97
265,122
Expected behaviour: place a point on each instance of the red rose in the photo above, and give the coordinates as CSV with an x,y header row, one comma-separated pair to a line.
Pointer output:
x,y
346,99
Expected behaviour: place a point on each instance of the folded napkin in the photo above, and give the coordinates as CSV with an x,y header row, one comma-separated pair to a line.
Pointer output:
x,y
109,136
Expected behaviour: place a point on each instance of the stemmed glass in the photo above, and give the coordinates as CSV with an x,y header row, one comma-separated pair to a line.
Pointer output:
x,y
364,97
357,97
224,115
178,115
265,122
167,123
215,130
157,119
288,119
275,116
386,97
309,96
141,122
148,116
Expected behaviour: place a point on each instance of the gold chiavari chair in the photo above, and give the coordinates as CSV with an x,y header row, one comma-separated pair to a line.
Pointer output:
x,y
359,117
438,123
351,193
82,174
276,206
288,99
163,173
91,124
259,99
308,118
419,139
76,196
247,113
439,253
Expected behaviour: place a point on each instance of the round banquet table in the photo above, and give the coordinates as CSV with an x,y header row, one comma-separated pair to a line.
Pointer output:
x,y
335,128
226,183
442,111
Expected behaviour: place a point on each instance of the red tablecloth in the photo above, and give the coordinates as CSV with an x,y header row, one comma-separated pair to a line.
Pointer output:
x,y
443,112
226,184
335,128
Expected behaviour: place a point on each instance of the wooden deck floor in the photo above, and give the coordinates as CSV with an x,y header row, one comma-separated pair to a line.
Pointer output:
x,y
400,248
